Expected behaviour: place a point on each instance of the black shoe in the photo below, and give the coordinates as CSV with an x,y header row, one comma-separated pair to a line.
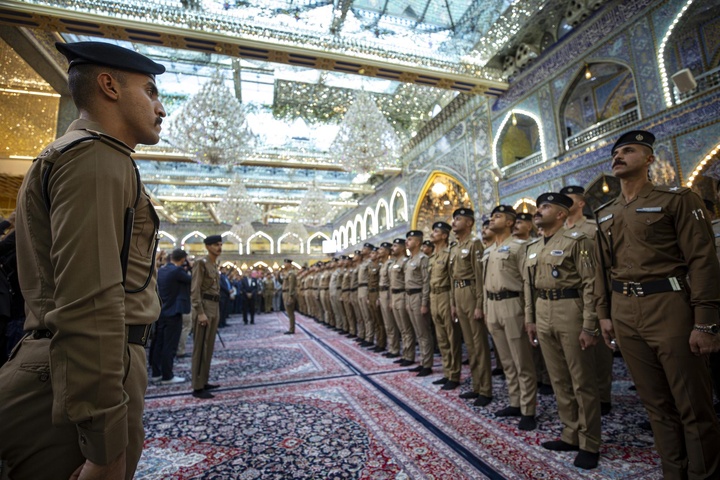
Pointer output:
x,y
527,423
378,349
405,363
646,425
450,385
392,355
204,394
350,335
498,371
211,386
605,408
466,362
586,460
469,395
289,333
424,372
415,369
560,446
245,322
252,322
482,401
442,381
509,412
545,389
632,388
369,345
400,360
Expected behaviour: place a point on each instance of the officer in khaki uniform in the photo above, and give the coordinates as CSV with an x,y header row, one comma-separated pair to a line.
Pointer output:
x,y
417,291
603,356
392,331
505,315
205,298
268,292
362,294
559,276
374,301
289,288
328,314
466,303
449,336
398,299
354,299
80,404
351,321
334,291
657,250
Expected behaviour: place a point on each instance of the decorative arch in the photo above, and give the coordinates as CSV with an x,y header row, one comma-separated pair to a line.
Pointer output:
x,y
317,235
440,196
370,222
190,244
342,238
502,131
382,216
360,228
398,206
195,233
163,233
525,205
261,264
351,233
701,166
335,239
263,235
667,92
232,265
601,190
290,234
235,237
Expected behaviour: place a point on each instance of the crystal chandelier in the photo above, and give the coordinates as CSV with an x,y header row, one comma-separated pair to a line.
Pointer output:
x,y
296,228
243,230
366,142
314,209
212,126
237,207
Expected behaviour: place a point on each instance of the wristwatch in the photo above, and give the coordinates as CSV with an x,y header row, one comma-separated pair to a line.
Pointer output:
x,y
711,328
592,333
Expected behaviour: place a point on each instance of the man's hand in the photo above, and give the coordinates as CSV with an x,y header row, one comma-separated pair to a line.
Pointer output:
x,y
608,333
478,315
424,310
531,330
202,320
453,313
114,470
587,340
703,343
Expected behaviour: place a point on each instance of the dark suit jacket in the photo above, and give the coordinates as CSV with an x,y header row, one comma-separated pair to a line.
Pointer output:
x,y
174,289
249,285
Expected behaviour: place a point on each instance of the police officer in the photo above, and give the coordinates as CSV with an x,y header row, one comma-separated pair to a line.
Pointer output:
x,y
88,291
657,250
397,291
205,298
559,275
466,303
417,291
603,356
289,288
392,332
350,320
362,293
524,229
374,302
505,315
449,336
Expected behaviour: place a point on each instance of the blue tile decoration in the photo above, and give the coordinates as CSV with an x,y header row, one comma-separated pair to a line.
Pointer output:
x,y
647,75
694,146
547,117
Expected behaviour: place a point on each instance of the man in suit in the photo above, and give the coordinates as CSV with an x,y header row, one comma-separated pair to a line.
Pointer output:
x,y
174,290
249,290
225,301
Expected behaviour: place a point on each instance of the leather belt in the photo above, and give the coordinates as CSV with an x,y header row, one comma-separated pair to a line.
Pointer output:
x,y
384,289
339,288
353,289
463,283
362,285
372,290
136,334
436,290
558,293
502,295
413,291
347,289
212,298
398,290
634,289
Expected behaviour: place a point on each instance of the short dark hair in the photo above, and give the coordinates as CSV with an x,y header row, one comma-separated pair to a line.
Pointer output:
x,y
81,83
178,254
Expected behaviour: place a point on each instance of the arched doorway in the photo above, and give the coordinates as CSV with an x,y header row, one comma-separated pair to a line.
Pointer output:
x,y
601,190
439,198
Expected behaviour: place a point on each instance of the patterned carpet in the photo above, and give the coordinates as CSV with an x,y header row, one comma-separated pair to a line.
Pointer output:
x,y
315,405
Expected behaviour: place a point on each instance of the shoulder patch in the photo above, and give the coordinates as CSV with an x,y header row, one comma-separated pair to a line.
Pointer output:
x,y
520,241
453,243
533,241
574,234
675,190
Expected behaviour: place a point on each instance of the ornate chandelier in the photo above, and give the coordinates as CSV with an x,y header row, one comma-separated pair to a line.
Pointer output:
x,y
212,126
366,142
314,208
296,228
237,207
243,230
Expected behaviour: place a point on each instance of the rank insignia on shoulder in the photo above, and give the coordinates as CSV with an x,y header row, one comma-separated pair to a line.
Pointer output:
x,y
532,255
648,210
557,253
574,234
504,249
464,251
605,218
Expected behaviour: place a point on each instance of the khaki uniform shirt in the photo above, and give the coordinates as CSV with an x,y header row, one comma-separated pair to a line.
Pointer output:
x,y
466,264
346,279
588,227
504,267
335,280
289,285
362,271
440,269
205,280
660,234
71,277
384,273
373,276
564,262
269,285
417,275
397,273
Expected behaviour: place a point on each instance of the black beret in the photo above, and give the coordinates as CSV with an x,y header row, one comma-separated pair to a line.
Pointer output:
x,y
357,252
399,241
374,248
344,257
507,209
108,55
573,189
638,137
386,245
369,245
335,259
464,212
414,233
442,226
525,216
559,199
428,243
212,239
287,260
486,222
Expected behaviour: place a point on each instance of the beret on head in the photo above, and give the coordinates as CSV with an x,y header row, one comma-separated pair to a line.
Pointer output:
x,y
344,257
464,212
212,239
287,260
414,233
386,245
108,55
399,241
506,209
525,216
559,199
428,243
577,190
486,222
368,245
442,226
637,137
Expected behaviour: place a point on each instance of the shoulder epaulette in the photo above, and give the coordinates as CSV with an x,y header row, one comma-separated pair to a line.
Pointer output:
x,y
453,243
603,206
675,190
520,241
533,241
574,234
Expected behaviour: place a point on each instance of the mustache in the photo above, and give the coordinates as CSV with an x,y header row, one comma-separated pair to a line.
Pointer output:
x,y
618,162
158,121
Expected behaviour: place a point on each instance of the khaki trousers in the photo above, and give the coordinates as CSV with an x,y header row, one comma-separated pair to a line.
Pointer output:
x,y
571,369
359,319
368,323
34,448
290,310
603,367
338,310
267,300
449,335
407,334
204,345
349,313
475,334
506,322
392,331
421,327
376,315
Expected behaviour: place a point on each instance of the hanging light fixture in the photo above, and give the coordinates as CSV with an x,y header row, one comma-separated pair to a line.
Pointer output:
x,y
314,208
514,119
237,207
605,186
588,73
212,126
366,142
243,229
296,228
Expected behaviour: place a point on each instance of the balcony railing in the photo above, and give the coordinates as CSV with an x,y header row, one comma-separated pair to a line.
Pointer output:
x,y
522,164
705,82
603,128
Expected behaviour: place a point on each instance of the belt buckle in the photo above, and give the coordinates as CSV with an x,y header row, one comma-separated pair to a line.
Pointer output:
x,y
553,294
633,288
